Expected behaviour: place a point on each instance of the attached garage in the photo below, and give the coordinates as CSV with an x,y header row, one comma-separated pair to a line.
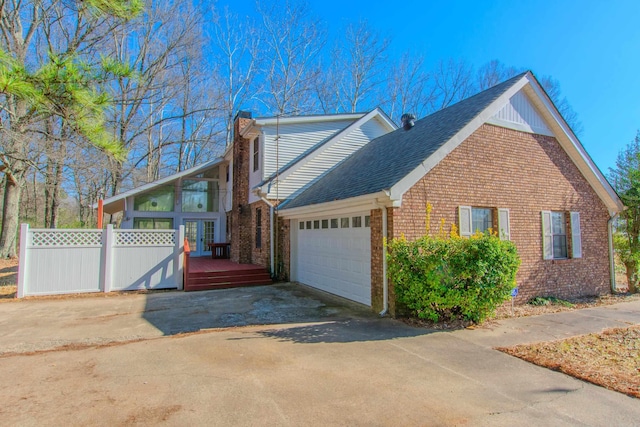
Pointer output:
x,y
333,254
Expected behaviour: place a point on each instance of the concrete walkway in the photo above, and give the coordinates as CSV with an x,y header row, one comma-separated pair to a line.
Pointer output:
x,y
341,367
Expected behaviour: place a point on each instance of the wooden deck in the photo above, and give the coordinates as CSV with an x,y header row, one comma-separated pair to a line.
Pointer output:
x,y
206,273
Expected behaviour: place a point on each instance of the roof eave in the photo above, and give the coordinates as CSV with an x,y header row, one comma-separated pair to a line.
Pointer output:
x,y
109,203
336,207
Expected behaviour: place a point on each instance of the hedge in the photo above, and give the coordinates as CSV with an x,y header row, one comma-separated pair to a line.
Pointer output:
x,y
438,278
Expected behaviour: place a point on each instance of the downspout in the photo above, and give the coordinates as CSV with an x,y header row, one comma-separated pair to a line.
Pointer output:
x,y
271,233
612,262
385,280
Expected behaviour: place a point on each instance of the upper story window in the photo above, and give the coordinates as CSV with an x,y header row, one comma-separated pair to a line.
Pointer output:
x,y
200,196
256,154
157,200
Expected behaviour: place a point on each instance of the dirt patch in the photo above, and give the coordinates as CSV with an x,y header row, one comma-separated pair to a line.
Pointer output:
x,y
8,278
610,359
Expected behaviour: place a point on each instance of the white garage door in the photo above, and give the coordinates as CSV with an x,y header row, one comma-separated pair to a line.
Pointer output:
x,y
334,254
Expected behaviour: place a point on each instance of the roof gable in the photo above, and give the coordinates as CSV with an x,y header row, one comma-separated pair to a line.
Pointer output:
x,y
116,203
327,153
388,159
394,162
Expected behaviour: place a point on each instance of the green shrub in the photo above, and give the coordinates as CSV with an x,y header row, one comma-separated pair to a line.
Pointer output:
x,y
440,278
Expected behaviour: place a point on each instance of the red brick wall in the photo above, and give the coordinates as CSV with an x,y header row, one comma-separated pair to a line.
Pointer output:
x,y
260,256
241,215
503,168
283,260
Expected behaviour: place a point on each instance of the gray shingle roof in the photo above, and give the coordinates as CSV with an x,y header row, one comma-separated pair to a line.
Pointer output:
x,y
384,161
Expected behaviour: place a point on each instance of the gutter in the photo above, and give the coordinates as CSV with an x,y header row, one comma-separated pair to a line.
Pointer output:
x,y
271,234
385,280
612,262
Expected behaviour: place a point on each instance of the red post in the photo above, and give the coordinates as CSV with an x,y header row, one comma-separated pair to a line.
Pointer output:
x,y
187,253
100,213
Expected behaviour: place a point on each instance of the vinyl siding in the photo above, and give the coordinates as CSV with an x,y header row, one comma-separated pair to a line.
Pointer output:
x,y
294,140
520,114
326,158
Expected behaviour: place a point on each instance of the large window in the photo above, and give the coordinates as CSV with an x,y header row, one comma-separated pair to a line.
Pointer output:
x,y
153,223
199,196
157,200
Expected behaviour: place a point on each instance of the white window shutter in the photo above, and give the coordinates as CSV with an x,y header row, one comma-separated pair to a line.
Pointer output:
x,y
464,219
547,237
576,235
504,227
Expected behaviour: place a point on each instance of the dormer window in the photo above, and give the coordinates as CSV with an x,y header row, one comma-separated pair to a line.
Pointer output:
x,y
256,154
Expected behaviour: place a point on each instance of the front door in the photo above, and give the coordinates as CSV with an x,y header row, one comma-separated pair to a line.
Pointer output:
x,y
199,233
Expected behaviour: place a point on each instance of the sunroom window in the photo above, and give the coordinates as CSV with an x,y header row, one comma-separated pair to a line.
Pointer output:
x,y
157,200
199,196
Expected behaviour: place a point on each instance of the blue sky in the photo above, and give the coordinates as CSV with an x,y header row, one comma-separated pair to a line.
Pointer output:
x,y
591,47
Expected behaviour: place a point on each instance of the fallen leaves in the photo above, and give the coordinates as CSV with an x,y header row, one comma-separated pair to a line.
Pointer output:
x,y
610,359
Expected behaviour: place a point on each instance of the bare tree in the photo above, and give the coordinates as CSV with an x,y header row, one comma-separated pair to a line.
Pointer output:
x,y
362,61
552,87
32,90
452,82
235,45
293,42
494,72
148,110
408,88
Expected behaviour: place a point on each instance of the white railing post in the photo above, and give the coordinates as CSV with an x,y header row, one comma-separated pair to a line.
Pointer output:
x,y
107,258
22,261
179,257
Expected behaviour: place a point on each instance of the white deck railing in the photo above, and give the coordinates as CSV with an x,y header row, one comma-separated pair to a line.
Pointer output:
x,y
54,261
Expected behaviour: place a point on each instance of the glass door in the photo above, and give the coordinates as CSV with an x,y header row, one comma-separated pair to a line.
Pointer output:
x,y
199,233
191,234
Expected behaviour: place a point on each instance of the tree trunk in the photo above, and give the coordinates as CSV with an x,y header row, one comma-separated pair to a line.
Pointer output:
x,y
632,276
10,215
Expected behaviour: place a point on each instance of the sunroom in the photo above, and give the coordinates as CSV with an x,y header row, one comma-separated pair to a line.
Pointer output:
x,y
198,198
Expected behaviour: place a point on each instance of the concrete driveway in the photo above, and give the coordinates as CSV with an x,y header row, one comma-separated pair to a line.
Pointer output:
x,y
322,362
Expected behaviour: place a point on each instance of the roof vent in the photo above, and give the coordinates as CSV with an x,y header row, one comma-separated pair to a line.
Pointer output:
x,y
408,121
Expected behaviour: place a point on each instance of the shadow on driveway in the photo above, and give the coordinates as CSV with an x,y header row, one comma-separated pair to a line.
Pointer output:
x,y
326,318
354,330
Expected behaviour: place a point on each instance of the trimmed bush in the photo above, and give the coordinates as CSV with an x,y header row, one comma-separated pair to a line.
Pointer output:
x,y
453,278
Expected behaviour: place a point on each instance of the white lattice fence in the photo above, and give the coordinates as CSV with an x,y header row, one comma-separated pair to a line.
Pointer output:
x,y
145,259
73,261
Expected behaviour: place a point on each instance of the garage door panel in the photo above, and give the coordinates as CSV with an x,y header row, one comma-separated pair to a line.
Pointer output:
x,y
335,260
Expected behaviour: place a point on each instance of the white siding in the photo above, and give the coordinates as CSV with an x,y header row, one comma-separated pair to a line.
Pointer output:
x,y
326,157
520,114
294,140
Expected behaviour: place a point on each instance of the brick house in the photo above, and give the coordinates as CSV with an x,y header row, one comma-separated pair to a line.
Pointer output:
x,y
503,158
310,198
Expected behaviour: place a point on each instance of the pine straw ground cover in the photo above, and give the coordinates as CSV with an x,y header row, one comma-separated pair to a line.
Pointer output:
x,y
610,359
8,277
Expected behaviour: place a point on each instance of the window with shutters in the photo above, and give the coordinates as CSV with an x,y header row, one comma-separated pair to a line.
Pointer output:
x,y
481,219
560,228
